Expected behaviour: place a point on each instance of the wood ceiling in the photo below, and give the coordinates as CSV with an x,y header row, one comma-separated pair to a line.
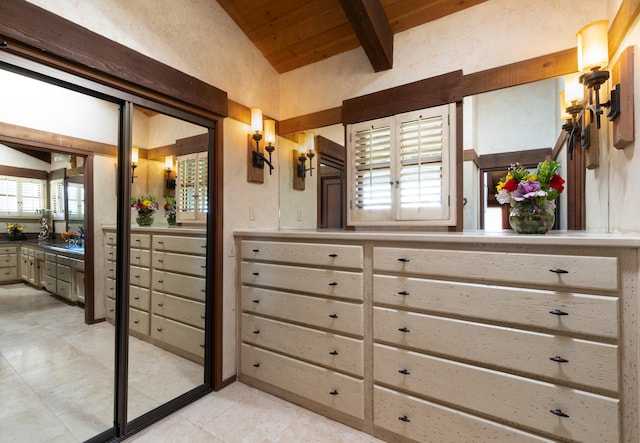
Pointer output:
x,y
295,33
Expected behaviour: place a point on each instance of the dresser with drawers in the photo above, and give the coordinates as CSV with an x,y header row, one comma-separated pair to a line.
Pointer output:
x,y
466,338
8,263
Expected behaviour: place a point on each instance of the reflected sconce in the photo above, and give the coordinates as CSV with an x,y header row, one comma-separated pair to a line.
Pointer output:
x,y
168,164
258,158
593,56
305,151
134,163
572,109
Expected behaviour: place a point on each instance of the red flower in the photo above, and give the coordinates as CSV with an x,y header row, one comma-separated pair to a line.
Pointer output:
x,y
557,182
510,185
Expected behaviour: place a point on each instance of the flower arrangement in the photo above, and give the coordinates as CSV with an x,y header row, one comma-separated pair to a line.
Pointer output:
x,y
170,210
145,205
14,232
531,196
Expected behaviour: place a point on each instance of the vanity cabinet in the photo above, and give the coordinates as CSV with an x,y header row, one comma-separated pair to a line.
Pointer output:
x,y
302,323
31,265
167,289
8,263
62,273
463,340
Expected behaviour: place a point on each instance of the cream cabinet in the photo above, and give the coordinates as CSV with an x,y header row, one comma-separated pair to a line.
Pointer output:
x,y
444,338
167,289
60,273
8,263
302,323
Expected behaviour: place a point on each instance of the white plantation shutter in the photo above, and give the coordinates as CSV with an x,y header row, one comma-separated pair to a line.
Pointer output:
x,y
75,198
9,196
57,198
21,197
202,175
191,187
401,169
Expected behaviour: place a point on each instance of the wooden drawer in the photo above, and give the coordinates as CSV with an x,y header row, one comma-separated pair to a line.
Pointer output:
x,y
110,238
110,269
179,284
178,308
140,241
77,264
327,282
110,310
338,256
592,418
63,289
7,274
8,260
188,264
589,363
110,253
177,334
139,321
324,313
139,298
110,287
140,257
140,276
600,273
63,273
335,351
187,245
50,268
38,254
423,421
8,249
49,283
332,389
587,314
63,260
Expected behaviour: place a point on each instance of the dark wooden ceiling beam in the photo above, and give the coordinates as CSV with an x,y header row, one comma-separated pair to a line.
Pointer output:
x,y
370,24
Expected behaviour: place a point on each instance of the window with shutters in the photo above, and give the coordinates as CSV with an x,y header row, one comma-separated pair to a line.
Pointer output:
x,y
21,197
75,200
191,187
56,198
402,169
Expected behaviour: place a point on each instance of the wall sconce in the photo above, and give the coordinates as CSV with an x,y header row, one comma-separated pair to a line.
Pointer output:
x,y
572,108
168,163
593,55
305,150
134,163
258,158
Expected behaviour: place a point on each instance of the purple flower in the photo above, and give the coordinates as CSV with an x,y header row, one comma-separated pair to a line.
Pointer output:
x,y
528,189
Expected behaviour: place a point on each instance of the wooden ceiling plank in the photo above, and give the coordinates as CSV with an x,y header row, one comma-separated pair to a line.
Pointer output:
x,y
368,19
407,14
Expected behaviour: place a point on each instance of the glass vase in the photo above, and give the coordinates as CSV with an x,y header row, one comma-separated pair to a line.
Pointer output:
x,y
525,218
144,219
171,219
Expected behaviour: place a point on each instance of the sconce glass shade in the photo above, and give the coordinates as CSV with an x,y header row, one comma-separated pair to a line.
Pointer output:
x,y
310,141
168,162
134,155
573,89
593,47
269,131
564,114
256,120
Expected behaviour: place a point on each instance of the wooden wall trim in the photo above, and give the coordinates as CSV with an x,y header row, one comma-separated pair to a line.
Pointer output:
x,y
319,119
626,15
22,22
22,172
502,160
471,155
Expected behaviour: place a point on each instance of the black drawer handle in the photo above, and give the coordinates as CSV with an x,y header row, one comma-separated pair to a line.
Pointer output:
x,y
256,250
203,317
405,419
136,298
159,329
333,353
558,312
202,346
334,392
136,276
404,260
404,329
203,290
138,240
256,365
203,246
203,266
159,242
403,293
256,301
404,372
559,359
333,255
335,283
558,271
255,273
257,331
333,315
160,260
138,258
111,310
160,281
559,413
136,321
160,304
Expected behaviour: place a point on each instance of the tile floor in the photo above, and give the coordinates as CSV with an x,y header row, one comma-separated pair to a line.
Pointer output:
x,y
56,385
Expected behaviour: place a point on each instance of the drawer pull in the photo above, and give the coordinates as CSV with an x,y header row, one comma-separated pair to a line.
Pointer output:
x,y
203,290
160,260
405,419
136,276
203,246
256,365
136,298
558,359
558,312
160,281
256,301
257,331
404,260
333,315
111,310
333,255
403,293
202,346
159,329
404,329
161,304
333,353
138,258
335,283
334,392
256,250
404,372
558,271
203,266
160,242
203,317
255,273
136,321
559,413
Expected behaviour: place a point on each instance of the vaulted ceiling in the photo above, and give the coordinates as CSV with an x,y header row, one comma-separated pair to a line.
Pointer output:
x,y
295,33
